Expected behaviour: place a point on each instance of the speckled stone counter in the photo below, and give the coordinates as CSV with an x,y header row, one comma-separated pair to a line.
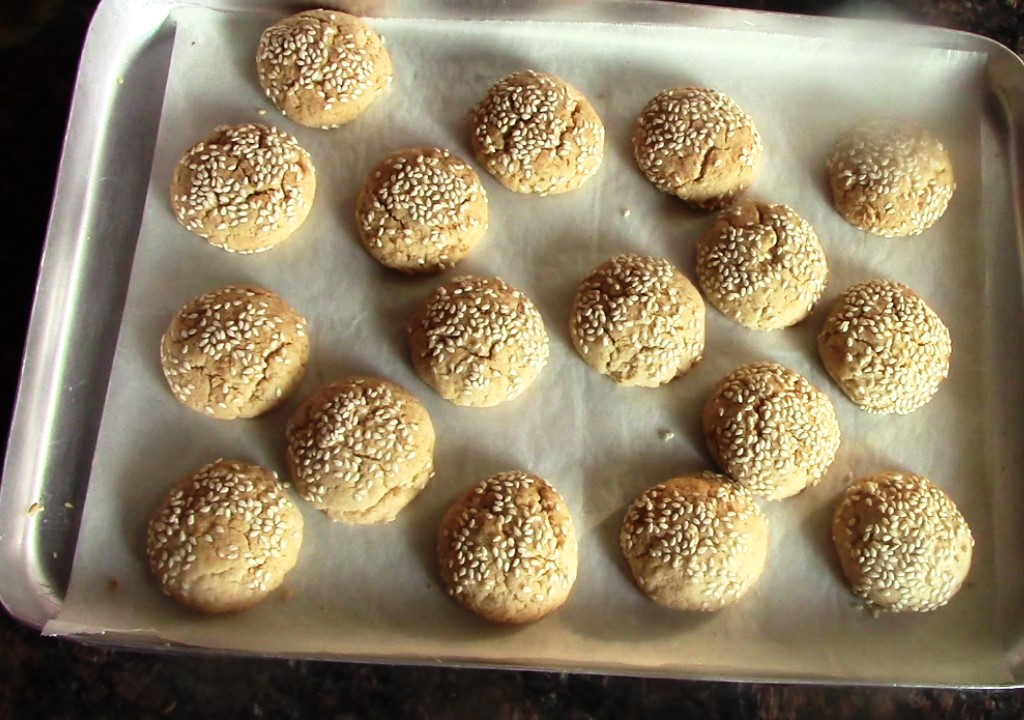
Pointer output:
x,y
40,41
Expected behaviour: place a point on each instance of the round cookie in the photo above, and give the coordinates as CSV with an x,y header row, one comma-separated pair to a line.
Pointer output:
x,y
697,144
638,320
322,68
698,542
885,347
891,178
771,430
245,188
224,538
421,210
235,352
361,449
762,265
478,341
902,542
507,548
536,133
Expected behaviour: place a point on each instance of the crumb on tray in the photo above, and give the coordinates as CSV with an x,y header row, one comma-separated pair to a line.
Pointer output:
x,y
34,509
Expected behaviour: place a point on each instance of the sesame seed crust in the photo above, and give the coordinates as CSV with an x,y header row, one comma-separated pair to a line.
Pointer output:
x,y
322,68
235,352
245,188
361,449
536,133
478,341
421,210
638,320
771,430
885,347
224,538
697,144
507,548
762,265
697,542
902,542
891,177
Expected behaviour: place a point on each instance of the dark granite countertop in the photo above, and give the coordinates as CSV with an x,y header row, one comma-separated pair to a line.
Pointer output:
x,y
40,41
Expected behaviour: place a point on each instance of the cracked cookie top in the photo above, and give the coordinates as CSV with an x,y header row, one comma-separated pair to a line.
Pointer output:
x,y
762,265
224,537
536,133
478,341
235,352
421,210
361,449
245,188
638,320
322,68
697,144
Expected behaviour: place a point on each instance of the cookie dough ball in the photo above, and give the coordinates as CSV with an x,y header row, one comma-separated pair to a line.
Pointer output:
x,y
507,549
638,320
885,347
421,210
224,538
762,265
770,430
902,542
245,188
697,542
236,352
891,178
322,68
697,144
536,133
360,449
478,341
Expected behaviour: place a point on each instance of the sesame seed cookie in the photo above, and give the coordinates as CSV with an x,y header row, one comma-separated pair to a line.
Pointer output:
x,y
224,538
421,210
245,188
697,144
536,133
361,449
891,178
507,548
478,341
638,320
322,68
885,347
236,352
697,542
902,542
762,265
771,430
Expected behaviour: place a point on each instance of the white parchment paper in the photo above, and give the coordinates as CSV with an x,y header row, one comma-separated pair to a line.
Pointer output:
x,y
374,591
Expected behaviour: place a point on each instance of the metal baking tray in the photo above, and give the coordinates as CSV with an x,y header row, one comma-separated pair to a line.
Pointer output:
x,y
96,216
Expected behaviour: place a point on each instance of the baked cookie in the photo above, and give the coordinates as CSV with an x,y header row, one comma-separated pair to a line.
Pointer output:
x,y
536,133
762,265
235,352
421,210
891,178
478,341
245,188
322,68
885,347
507,548
697,144
698,542
770,430
902,542
360,449
224,538
638,320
